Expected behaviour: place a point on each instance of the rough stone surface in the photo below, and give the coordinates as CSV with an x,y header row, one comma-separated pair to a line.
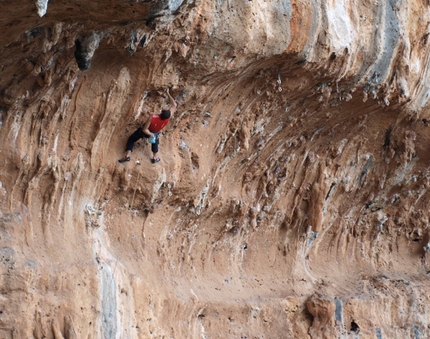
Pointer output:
x,y
292,196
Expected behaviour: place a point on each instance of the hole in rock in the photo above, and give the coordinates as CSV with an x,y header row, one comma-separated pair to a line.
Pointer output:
x,y
35,32
354,327
235,230
142,42
387,140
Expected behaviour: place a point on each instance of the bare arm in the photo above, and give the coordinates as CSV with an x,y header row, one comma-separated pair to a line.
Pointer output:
x,y
173,103
145,127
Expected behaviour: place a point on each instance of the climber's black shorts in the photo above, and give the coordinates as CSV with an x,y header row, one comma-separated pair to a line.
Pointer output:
x,y
138,134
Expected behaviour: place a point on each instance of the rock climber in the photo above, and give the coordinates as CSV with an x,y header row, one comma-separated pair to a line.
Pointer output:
x,y
151,130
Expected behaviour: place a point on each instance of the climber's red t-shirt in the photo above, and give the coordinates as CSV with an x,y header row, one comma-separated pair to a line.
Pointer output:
x,y
157,124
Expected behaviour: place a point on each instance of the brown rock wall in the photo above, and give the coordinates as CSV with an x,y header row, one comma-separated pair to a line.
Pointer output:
x,y
291,199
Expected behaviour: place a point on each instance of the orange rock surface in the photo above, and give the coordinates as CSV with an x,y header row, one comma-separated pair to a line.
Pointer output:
x,y
291,200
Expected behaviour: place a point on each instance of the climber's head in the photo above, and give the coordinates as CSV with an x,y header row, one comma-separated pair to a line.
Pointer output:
x,y
165,114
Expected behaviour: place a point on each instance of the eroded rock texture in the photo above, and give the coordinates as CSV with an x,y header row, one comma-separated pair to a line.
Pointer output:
x,y
292,196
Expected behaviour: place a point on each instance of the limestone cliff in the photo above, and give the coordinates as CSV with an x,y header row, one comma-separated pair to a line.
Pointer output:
x,y
292,196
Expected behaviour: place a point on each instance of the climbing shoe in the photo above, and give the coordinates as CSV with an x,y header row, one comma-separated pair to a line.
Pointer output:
x,y
155,160
124,160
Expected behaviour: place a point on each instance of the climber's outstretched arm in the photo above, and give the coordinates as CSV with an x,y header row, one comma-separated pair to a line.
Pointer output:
x,y
173,103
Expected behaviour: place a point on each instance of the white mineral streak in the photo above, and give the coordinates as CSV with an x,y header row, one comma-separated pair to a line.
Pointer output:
x,y
339,26
175,4
42,7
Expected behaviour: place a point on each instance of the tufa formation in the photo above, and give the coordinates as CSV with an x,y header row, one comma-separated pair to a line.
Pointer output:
x,y
291,199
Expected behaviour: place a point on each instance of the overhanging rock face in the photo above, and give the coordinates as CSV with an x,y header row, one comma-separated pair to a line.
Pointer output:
x,y
291,199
